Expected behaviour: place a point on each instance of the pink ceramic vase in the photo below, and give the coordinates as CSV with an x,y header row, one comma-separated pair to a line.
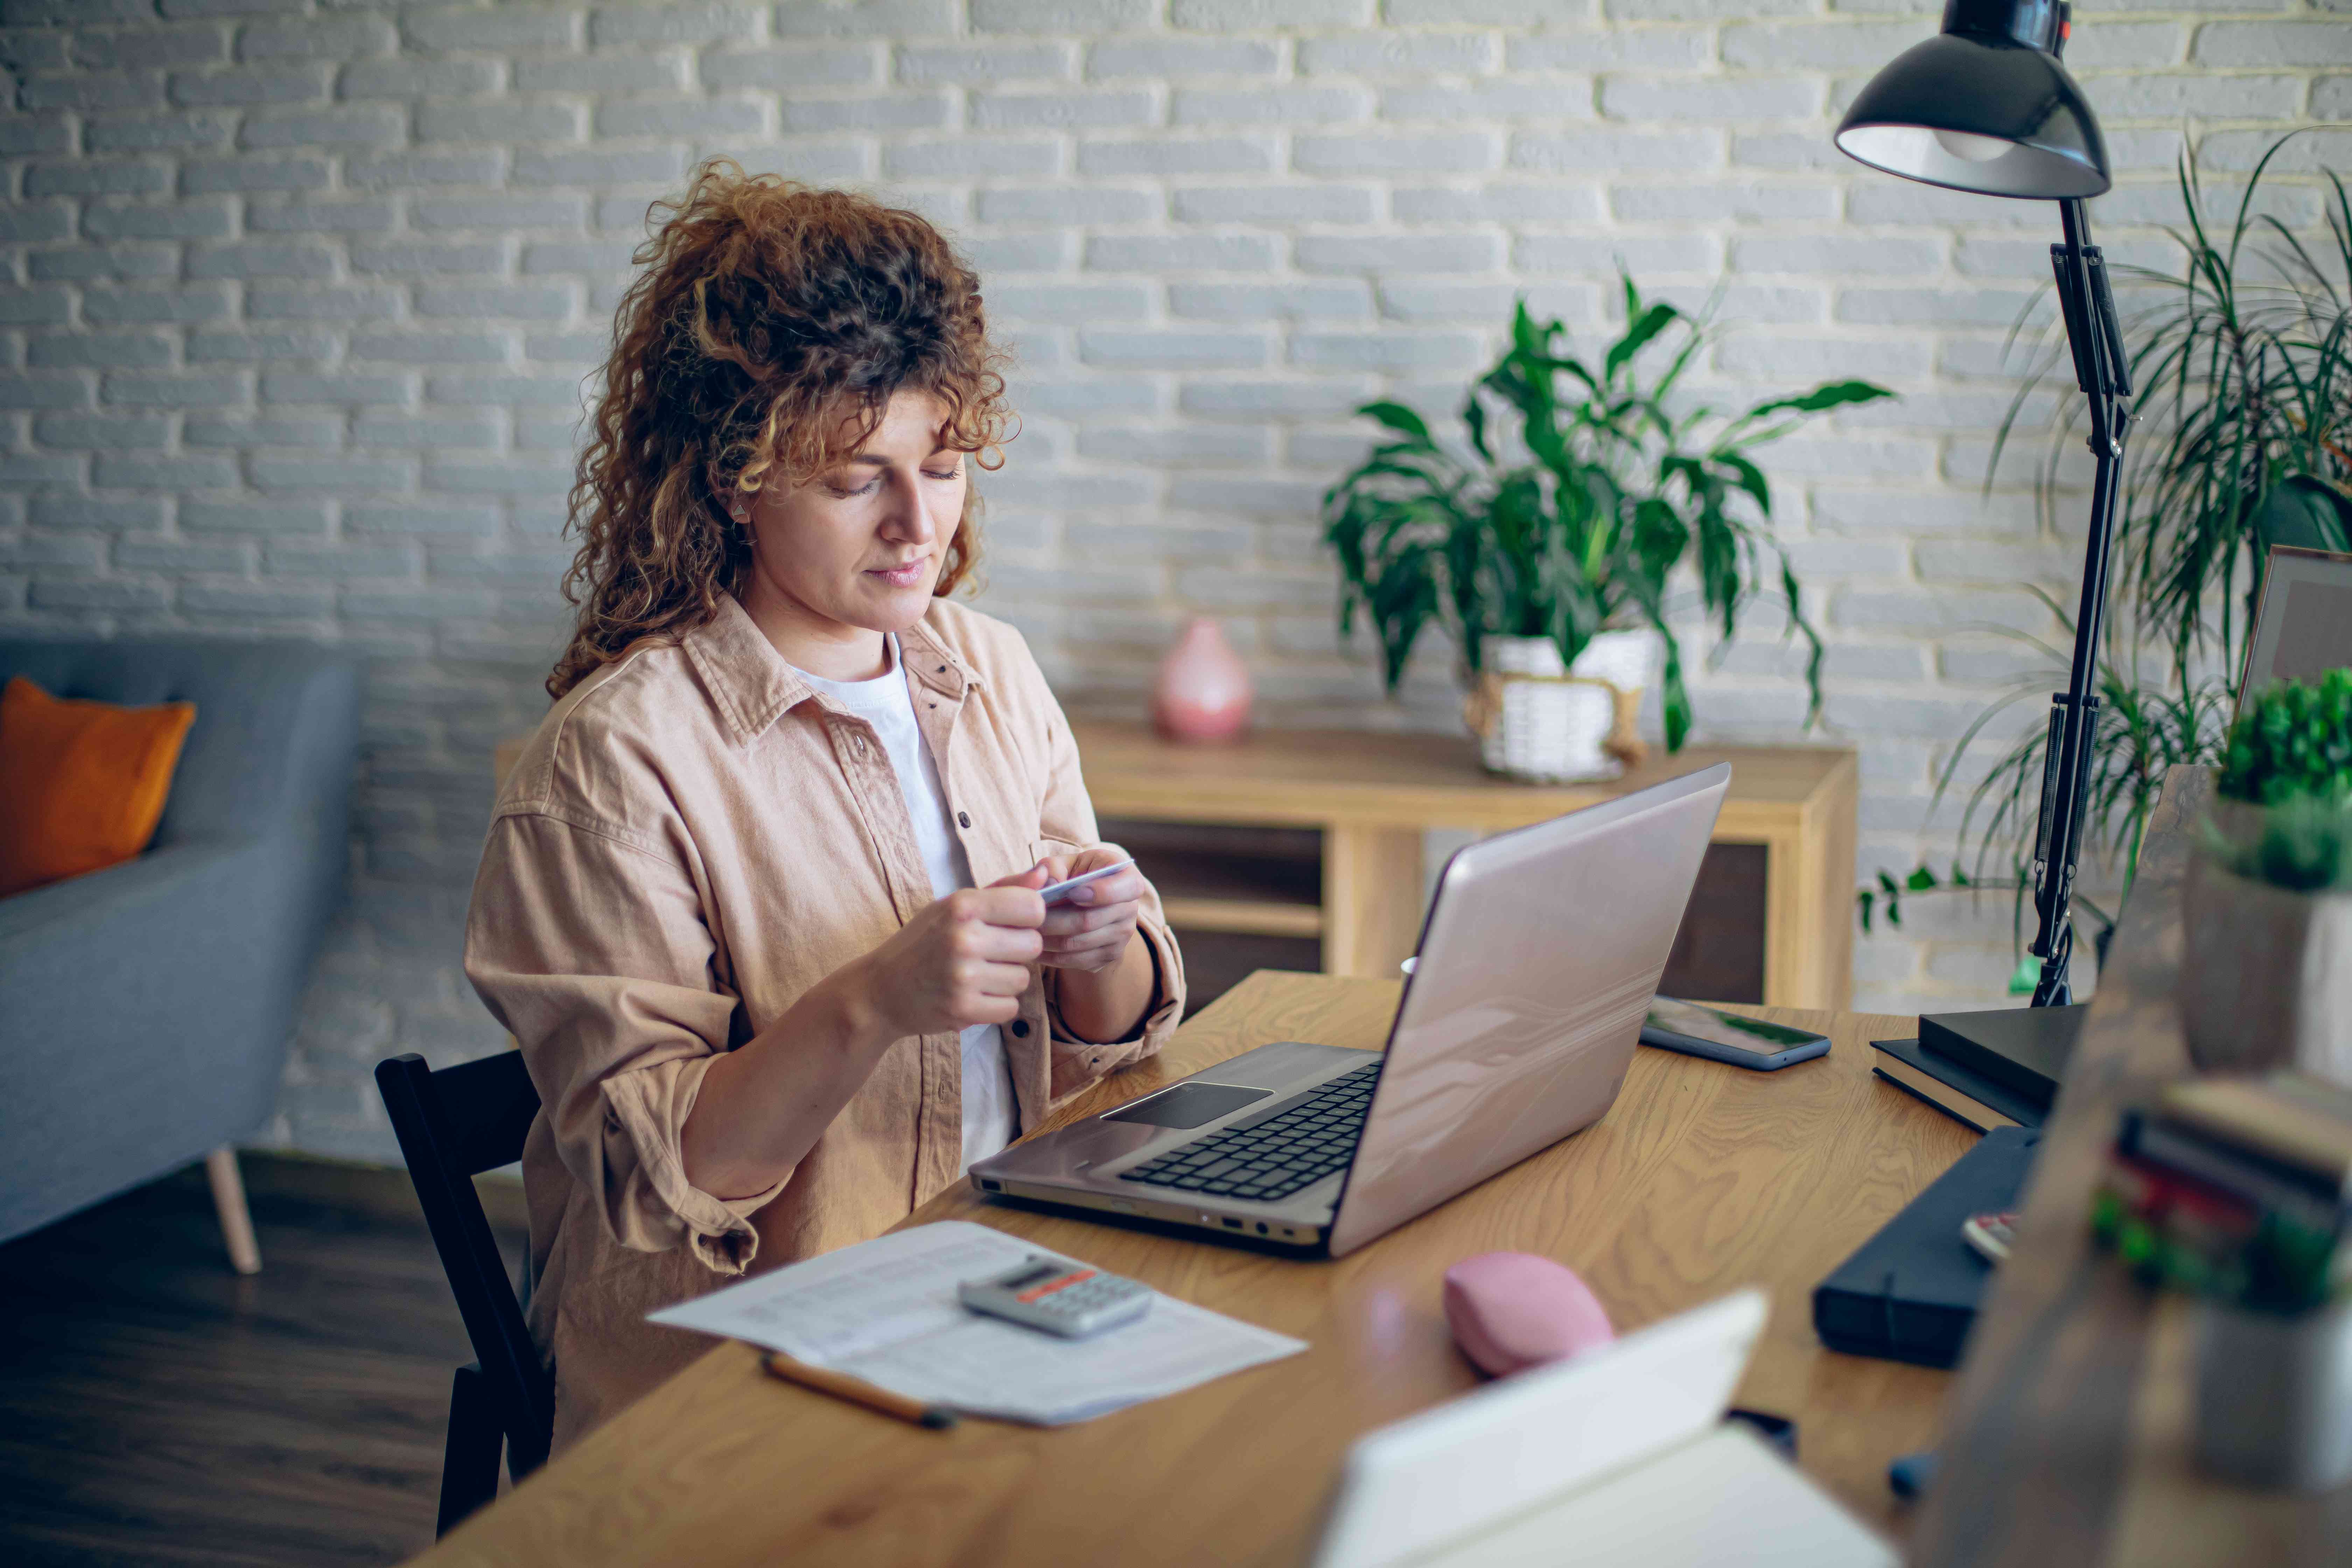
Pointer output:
x,y
1204,689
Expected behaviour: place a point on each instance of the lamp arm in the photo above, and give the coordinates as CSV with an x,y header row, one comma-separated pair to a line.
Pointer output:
x,y
2103,372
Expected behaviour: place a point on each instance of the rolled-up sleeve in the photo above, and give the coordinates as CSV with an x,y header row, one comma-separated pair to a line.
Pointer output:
x,y
1068,818
594,951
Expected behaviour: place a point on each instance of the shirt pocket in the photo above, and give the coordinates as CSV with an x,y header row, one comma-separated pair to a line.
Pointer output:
x,y
1039,848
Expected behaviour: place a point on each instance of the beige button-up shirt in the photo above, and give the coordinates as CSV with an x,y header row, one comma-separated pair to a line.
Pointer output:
x,y
692,838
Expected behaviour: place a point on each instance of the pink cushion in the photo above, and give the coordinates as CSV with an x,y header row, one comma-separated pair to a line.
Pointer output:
x,y
1510,1310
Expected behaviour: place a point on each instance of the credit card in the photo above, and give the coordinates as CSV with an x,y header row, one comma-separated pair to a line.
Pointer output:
x,y
1059,893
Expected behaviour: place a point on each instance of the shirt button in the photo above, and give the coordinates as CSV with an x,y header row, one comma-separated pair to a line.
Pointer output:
x,y
1020,1028
857,744
963,819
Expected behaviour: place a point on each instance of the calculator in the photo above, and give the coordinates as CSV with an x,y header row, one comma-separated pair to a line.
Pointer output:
x,y
1063,1297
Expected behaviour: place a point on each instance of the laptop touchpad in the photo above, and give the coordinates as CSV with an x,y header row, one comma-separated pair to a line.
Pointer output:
x,y
1188,1105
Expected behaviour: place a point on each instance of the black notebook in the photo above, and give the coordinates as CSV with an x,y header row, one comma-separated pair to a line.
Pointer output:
x,y
1967,1097
2025,1049
1911,1292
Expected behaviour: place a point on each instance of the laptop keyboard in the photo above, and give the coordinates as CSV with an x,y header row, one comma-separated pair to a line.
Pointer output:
x,y
1290,1150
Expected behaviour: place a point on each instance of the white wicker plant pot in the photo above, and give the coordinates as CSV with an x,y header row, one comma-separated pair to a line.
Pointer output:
x,y
1537,721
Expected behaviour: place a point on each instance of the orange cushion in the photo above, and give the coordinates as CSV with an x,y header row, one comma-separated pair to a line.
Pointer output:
x,y
82,784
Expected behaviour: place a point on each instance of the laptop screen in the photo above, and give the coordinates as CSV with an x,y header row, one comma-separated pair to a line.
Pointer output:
x,y
1538,962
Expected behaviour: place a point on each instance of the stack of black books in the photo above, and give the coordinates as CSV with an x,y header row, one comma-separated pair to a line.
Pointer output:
x,y
1996,1068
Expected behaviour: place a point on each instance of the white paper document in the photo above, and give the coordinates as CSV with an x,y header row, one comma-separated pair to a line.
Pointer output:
x,y
886,1310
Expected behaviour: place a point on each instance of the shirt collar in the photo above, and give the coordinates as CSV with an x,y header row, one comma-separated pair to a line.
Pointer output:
x,y
751,683
930,661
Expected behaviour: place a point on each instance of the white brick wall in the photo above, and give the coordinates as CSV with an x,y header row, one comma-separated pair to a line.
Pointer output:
x,y
295,300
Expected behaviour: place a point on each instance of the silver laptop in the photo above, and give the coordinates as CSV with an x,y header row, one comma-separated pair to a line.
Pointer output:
x,y
1539,959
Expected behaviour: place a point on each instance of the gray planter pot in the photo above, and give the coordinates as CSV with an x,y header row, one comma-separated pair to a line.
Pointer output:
x,y
2265,975
2274,1395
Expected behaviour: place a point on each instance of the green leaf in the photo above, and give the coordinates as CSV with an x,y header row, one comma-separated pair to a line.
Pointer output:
x,y
1674,697
1749,479
1829,395
2025,976
1399,418
1637,336
1920,880
1474,415
1865,897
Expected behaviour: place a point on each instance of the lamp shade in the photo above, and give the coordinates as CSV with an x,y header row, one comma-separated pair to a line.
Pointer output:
x,y
1984,106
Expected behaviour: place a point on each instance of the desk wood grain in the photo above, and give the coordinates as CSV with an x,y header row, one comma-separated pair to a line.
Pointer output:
x,y
1702,1178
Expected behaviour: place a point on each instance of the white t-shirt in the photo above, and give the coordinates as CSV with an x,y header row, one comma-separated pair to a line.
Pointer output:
x,y
990,1114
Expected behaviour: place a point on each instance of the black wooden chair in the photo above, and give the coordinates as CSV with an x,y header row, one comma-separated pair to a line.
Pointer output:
x,y
453,1125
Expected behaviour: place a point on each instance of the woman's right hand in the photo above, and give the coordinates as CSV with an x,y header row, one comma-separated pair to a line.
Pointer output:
x,y
963,960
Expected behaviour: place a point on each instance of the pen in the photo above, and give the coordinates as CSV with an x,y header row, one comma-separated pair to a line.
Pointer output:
x,y
857,1392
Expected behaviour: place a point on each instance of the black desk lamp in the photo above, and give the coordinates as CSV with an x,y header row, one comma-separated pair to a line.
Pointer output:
x,y
1984,106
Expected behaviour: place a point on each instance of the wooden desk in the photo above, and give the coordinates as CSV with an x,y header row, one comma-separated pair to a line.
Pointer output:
x,y
2070,1426
1373,796
1702,1178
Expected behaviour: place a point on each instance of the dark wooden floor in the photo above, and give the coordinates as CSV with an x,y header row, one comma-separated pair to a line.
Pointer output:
x,y
156,1408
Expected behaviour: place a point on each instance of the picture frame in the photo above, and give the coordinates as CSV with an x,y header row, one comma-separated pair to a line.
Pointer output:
x,y
2303,618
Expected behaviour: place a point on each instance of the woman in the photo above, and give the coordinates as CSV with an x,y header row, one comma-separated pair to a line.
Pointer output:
x,y
760,899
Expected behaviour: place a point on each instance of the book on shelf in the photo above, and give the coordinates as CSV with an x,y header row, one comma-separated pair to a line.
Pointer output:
x,y
1955,1091
2216,1217
2297,1123
2260,1184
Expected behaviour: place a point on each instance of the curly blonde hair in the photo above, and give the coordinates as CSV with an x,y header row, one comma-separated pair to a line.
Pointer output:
x,y
762,342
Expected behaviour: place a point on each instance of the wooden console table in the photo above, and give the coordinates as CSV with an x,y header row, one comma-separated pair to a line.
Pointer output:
x,y
1373,796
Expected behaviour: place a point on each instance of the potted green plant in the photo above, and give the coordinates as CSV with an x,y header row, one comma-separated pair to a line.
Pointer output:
x,y
1547,542
2244,362
2146,728
2267,960
2242,357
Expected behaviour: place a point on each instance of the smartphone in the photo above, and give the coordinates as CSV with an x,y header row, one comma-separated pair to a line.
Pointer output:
x,y
1697,1031
1059,893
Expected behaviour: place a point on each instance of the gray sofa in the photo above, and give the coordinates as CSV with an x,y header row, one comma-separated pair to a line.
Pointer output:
x,y
145,1010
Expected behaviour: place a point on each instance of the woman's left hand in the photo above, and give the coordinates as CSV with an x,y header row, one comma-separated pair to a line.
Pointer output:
x,y
1091,932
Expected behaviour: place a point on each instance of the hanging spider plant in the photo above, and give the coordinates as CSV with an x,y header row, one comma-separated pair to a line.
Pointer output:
x,y
2242,361
2145,728
1592,485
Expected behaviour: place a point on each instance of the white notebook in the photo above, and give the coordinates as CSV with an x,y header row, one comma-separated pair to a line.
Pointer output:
x,y
886,1310
1617,1458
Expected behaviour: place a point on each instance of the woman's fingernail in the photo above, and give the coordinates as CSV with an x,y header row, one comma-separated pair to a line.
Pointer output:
x,y
1083,896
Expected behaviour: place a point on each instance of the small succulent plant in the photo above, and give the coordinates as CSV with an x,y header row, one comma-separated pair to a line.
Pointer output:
x,y
2290,752
2292,740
